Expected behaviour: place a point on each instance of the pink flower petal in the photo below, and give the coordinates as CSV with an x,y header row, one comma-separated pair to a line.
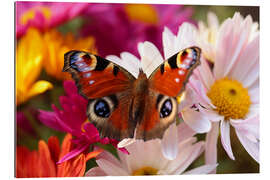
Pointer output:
x,y
91,132
211,145
225,138
95,171
169,142
254,95
196,120
109,157
205,169
253,75
241,68
241,37
185,148
249,126
211,114
70,87
111,169
200,92
223,45
205,75
50,120
184,132
73,153
252,148
193,153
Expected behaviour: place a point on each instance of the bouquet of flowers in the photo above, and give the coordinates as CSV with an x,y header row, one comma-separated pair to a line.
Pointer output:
x,y
105,117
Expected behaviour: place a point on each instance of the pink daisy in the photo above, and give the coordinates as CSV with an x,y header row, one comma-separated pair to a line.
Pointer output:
x,y
229,96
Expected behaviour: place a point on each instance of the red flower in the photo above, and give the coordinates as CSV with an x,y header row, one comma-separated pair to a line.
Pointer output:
x,y
42,162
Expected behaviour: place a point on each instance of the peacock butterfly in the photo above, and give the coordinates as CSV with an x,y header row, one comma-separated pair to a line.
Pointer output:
x,y
120,104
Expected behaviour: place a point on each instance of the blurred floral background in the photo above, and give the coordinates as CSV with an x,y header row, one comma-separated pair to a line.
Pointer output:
x,y
47,30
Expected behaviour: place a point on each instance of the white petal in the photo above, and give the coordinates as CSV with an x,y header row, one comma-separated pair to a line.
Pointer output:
x,y
241,37
253,76
211,114
211,145
95,171
127,61
247,61
184,132
223,44
142,154
194,152
132,62
252,148
205,169
212,20
249,126
168,43
188,98
200,92
254,95
125,142
185,148
109,157
186,37
254,85
205,74
196,120
150,57
111,169
254,110
115,59
225,138
169,142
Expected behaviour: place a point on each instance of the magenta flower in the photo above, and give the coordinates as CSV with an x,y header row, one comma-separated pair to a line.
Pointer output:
x,y
43,15
72,119
23,123
116,31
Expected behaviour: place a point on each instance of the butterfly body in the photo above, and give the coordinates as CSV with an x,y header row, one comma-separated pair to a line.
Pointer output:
x,y
121,105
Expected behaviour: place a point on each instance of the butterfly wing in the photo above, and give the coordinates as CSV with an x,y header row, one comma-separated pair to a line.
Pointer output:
x,y
107,87
165,84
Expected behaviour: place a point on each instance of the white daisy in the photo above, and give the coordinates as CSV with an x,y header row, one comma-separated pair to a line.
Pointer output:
x,y
146,158
207,36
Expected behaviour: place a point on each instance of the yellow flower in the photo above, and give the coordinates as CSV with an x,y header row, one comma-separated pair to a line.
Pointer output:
x,y
57,45
29,57
142,12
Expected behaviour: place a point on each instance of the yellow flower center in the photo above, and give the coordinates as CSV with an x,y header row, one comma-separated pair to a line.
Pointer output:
x,y
230,98
145,171
142,12
29,15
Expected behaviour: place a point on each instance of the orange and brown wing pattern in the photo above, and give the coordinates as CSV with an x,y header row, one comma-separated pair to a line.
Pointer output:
x,y
96,77
107,87
175,72
166,82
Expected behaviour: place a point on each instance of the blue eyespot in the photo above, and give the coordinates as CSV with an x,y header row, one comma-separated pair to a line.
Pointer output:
x,y
102,109
166,108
